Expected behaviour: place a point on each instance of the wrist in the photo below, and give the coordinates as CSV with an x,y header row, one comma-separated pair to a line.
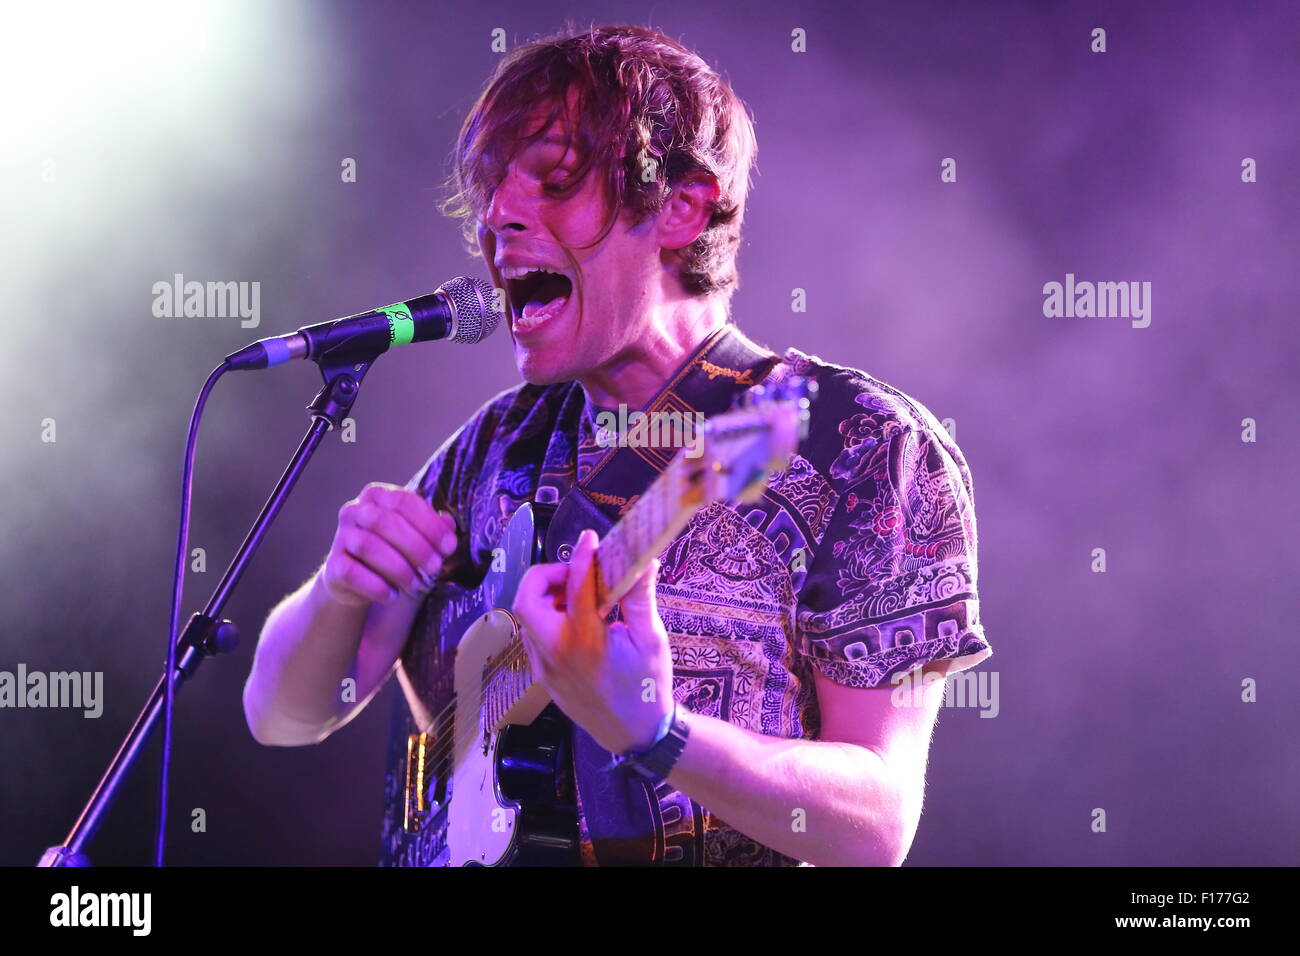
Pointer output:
x,y
661,731
656,762
320,600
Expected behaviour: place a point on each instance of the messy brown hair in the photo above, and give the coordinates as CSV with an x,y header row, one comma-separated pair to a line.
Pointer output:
x,y
649,113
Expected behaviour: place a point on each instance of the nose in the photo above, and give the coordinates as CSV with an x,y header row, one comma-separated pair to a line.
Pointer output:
x,y
513,205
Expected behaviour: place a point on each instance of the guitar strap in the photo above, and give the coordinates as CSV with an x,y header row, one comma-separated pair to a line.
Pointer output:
x,y
621,810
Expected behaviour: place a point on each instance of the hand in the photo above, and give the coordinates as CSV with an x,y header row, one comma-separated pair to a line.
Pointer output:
x,y
615,682
389,541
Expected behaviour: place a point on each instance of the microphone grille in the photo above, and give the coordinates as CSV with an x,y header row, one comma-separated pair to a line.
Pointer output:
x,y
475,314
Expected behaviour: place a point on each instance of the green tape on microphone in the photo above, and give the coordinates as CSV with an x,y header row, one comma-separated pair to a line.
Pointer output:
x,y
401,327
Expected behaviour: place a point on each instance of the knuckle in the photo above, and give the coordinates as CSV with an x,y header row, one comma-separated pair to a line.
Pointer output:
x,y
384,524
362,547
362,516
377,517
425,557
421,514
412,502
347,575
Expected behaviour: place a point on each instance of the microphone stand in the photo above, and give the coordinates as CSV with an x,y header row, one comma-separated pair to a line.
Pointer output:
x,y
205,635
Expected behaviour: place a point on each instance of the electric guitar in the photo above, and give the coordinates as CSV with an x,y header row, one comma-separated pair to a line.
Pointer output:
x,y
488,775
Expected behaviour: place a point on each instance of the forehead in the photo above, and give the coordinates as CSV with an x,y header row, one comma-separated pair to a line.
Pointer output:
x,y
557,129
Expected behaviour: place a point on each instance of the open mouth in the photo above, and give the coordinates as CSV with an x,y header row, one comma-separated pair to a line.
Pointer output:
x,y
538,296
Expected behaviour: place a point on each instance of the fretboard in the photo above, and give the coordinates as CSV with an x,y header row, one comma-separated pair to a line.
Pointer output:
x,y
654,519
650,524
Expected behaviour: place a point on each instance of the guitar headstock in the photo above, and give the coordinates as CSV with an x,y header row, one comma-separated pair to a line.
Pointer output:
x,y
741,447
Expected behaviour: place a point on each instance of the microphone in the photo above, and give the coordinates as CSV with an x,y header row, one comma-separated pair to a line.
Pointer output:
x,y
462,309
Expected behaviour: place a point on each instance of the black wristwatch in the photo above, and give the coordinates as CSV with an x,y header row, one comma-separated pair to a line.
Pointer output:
x,y
657,762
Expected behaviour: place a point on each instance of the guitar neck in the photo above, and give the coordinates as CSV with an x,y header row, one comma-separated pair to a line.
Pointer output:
x,y
654,520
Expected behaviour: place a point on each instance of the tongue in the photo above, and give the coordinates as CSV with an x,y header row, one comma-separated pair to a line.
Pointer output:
x,y
544,310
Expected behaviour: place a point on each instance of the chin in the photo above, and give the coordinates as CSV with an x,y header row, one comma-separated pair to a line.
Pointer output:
x,y
536,371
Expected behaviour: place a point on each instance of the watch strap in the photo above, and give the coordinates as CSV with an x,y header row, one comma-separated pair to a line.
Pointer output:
x,y
656,762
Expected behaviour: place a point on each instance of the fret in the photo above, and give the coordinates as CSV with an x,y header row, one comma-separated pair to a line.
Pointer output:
x,y
638,530
649,523
622,558
617,563
643,529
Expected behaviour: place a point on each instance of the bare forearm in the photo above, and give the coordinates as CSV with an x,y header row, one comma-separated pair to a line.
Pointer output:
x,y
309,646
826,803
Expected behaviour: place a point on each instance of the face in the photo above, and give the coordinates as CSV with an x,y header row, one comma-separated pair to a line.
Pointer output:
x,y
590,314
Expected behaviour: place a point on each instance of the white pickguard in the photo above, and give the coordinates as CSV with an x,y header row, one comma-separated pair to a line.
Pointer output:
x,y
480,821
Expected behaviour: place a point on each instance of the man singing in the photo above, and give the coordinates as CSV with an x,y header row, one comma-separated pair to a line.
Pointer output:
x,y
602,176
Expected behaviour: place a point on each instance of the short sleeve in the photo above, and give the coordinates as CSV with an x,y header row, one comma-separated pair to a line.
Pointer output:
x,y
436,479
892,585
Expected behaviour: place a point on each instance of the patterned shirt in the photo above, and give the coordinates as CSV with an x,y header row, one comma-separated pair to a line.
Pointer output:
x,y
859,562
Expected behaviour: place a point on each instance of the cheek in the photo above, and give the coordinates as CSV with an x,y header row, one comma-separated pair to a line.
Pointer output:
x,y
578,220
486,242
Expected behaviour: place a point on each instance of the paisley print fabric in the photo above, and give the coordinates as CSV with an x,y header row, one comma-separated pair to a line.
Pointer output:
x,y
859,562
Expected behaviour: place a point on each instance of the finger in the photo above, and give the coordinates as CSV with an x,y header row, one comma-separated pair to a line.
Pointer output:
x,y
537,605
392,527
541,592
641,607
444,525
368,548
537,652
343,573
580,588
438,527
540,581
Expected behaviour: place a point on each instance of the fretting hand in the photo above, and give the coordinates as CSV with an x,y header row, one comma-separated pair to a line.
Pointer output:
x,y
614,681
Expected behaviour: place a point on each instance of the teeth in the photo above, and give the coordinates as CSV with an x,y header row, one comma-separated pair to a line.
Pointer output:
x,y
536,315
518,272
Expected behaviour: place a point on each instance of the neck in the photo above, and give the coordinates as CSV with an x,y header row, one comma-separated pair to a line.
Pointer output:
x,y
638,371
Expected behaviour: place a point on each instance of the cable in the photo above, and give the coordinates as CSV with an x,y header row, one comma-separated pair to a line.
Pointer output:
x,y
178,588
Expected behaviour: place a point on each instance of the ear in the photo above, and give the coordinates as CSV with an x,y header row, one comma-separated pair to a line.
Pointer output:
x,y
687,210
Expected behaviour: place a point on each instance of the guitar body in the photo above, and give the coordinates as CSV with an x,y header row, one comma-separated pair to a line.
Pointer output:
x,y
485,784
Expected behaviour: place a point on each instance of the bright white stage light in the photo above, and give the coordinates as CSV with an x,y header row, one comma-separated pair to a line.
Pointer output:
x,y
65,61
